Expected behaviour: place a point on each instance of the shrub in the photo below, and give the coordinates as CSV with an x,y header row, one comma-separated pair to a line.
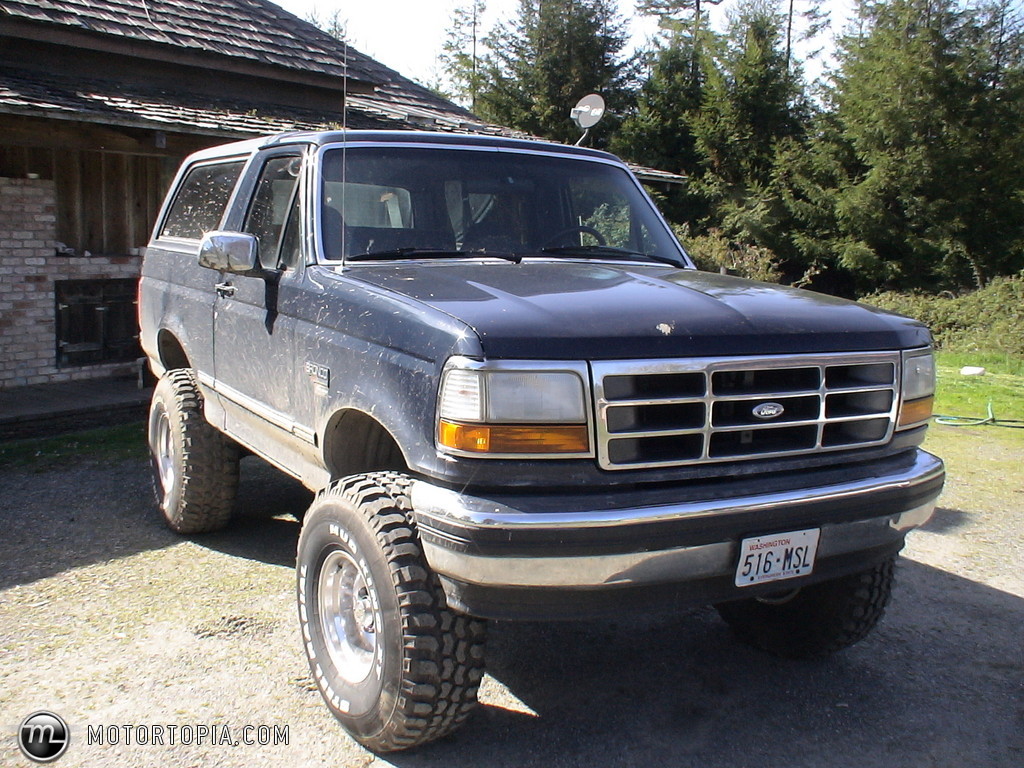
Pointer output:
x,y
713,251
987,320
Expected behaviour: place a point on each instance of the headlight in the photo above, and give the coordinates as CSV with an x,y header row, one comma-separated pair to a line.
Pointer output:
x,y
484,411
917,395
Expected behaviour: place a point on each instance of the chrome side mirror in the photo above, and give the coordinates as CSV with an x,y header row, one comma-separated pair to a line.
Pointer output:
x,y
235,252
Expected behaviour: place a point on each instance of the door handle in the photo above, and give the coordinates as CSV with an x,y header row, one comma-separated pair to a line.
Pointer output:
x,y
225,289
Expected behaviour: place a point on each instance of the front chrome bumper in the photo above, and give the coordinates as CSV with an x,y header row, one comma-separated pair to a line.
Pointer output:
x,y
596,541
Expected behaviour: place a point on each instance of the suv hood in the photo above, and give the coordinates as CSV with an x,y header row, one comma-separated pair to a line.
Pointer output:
x,y
561,309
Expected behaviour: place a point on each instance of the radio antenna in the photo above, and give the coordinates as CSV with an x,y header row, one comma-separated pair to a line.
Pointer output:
x,y
344,145
344,84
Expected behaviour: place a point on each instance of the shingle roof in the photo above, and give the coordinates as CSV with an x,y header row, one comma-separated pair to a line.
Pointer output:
x,y
38,95
59,97
35,94
255,30
250,29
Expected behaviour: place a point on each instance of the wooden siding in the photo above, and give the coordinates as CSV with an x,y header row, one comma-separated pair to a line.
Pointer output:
x,y
107,202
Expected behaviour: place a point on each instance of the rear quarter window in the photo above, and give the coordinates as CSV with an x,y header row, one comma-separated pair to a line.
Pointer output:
x,y
199,203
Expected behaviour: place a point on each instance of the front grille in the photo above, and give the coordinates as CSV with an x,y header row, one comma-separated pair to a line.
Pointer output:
x,y
677,412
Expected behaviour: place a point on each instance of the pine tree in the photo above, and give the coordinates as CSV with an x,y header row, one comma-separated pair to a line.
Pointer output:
x,y
549,56
813,20
462,53
658,132
930,111
752,102
808,175
686,17
331,23
685,22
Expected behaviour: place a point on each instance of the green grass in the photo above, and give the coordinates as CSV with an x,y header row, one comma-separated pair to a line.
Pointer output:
x,y
969,396
994,362
125,441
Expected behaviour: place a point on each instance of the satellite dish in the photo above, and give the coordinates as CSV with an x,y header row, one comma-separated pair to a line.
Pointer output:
x,y
588,112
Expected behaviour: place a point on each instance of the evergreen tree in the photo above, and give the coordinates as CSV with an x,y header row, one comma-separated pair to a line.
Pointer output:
x,y
549,56
462,53
752,102
808,175
718,109
685,22
331,23
931,113
686,17
813,20
658,132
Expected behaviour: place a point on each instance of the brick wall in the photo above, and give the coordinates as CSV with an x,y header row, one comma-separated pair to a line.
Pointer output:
x,y
28,270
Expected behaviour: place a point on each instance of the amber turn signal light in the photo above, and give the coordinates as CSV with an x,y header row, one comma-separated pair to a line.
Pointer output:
x,y
502,438
916,411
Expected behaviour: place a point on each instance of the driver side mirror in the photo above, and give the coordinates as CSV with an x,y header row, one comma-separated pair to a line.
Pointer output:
x,y
234,252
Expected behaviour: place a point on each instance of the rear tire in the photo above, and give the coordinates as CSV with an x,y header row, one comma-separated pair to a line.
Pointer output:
x,y
816,621
393,663
195,467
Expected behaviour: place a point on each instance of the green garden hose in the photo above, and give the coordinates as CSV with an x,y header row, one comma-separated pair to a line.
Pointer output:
x,y
970,421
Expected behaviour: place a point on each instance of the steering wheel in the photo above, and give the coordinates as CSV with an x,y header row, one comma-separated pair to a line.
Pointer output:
x,y
581,229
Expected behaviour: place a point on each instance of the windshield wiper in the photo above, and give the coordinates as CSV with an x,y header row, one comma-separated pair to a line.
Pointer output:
x,y
403,253
429,253
608,251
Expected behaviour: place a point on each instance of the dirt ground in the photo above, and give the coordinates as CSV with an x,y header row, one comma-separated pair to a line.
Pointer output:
x,y
134,634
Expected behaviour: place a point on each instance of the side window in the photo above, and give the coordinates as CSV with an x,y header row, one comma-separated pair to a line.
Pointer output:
x,y
610,213
291,243
272,202
201,199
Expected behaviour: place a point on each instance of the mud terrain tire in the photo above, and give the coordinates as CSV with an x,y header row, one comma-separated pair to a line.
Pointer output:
x,y
195,468
394,664
817,621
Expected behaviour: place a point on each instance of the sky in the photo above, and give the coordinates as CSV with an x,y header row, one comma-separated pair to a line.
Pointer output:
x,y
407,35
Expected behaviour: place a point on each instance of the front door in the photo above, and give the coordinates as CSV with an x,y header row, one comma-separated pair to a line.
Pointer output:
x,y
254,341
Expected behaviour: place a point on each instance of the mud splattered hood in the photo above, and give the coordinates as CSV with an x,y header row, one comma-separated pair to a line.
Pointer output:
x,y
551,309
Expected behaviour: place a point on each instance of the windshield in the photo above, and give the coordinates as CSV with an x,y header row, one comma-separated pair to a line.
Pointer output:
x,y
394,202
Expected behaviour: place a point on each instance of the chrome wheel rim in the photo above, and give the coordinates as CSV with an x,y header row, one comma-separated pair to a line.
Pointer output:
x,y
162,443
348,616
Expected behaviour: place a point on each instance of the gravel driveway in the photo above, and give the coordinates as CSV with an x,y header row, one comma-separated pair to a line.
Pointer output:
x,y
110,620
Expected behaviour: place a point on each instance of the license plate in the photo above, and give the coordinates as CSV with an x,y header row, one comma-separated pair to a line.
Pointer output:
x,y
776,557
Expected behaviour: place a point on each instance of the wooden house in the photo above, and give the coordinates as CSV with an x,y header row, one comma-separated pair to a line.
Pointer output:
x,y
99,102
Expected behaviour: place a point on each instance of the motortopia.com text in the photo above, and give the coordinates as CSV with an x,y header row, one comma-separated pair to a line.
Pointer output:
x,y
187,735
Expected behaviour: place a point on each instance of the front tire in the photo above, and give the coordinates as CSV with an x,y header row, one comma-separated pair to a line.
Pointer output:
x,y
816,621
195,467
393,663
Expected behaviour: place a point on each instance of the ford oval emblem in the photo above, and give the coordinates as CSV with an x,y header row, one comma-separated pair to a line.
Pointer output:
x,y
768,410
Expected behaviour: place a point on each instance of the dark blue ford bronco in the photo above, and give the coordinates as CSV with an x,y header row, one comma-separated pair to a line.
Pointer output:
x,y
516,398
